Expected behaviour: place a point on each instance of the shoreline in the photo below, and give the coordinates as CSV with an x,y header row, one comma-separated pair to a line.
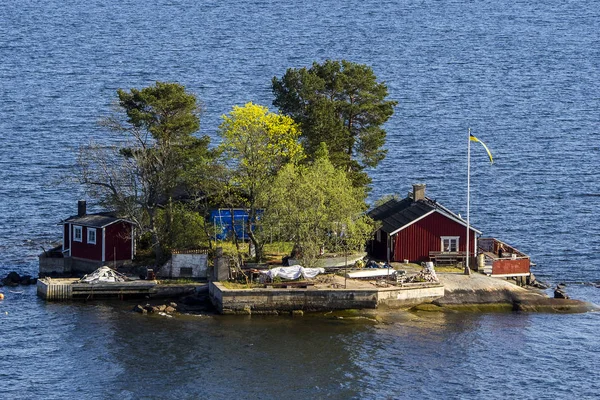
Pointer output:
x,y
455,292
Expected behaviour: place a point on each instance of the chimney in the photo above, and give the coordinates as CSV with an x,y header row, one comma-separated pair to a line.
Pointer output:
x,y
81,208
418,191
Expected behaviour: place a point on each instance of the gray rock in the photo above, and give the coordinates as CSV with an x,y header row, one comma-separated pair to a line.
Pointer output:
x,y
559,294
140,309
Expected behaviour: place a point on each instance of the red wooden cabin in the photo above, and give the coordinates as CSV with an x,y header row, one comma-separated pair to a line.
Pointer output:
x,y
97,239
419,229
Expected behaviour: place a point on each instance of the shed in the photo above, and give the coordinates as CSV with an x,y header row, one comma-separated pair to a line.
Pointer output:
x,y
95,239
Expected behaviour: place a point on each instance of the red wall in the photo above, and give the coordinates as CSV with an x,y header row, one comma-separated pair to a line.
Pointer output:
x,y
85,250
416,241
509,266
66,242
118,240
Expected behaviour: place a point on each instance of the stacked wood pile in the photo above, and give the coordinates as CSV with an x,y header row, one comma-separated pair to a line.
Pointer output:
x,y
427,274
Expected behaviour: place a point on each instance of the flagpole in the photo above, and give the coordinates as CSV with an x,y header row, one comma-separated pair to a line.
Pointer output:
x,y
467,270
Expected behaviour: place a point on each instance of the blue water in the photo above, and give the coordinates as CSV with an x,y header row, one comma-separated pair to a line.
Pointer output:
x,y
523,75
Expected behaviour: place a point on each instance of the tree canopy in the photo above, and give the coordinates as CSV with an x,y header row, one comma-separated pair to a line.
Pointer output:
x,y
317,206
140,178
342,104
256,145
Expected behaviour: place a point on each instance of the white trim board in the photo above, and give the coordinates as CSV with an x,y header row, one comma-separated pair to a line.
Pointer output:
x,y
439,212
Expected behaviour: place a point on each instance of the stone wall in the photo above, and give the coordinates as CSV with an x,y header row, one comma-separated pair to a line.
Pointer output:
x,y
266,300
54,266
185,265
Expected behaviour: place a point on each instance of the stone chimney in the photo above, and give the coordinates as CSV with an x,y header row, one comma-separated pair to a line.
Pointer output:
x,y
418,191
81,208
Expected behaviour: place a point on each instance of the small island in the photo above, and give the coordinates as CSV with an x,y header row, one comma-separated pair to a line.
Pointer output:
x,y
181,216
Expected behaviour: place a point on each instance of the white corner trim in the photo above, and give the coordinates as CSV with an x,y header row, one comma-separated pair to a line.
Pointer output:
x,y
103,245
132,241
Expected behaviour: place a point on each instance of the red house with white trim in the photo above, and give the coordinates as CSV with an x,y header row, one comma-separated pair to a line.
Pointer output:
x,y
92,240
419,229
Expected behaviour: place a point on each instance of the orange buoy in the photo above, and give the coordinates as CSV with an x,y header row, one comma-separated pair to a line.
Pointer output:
x,y
1,296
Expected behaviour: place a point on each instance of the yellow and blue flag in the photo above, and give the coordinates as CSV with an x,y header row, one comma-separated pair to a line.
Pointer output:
x,y
474,139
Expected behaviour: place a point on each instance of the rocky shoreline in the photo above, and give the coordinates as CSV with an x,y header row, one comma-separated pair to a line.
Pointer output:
x,y
481,293
14,279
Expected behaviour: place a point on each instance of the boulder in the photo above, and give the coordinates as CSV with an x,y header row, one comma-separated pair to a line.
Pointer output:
x,y
170,310
140,309
559,294
25,280
12,279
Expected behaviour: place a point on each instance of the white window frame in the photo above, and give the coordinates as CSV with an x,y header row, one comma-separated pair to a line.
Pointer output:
x,y
90,230
450,239
77,228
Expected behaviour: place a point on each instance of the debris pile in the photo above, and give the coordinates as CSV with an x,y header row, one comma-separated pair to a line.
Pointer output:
x,y
103,274
427,274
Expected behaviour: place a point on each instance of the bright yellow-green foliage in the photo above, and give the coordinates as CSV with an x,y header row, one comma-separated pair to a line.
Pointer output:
x,y
256,145
260,142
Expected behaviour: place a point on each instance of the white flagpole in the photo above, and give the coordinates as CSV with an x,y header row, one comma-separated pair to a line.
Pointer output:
x,y
467,270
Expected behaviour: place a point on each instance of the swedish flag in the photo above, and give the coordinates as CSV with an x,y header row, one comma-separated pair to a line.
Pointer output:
x,y
474,139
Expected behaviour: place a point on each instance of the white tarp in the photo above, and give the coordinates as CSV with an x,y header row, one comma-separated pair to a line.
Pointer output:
x,y
103,274
293,272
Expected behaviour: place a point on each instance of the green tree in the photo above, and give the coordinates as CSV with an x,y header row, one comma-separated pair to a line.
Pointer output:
x,y
317,206
256,145
140,177
342,104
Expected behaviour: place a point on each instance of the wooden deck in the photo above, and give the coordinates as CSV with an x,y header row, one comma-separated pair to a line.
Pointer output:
x,y
513,262
67,289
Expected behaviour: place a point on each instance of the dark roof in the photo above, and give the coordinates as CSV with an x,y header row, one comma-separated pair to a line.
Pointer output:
x,y
396,214
98,220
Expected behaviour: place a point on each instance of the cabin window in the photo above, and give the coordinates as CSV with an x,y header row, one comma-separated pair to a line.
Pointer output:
x,y
91,235
77,233
450,243
378,235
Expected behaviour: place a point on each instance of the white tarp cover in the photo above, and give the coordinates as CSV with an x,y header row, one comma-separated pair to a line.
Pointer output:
x,y
293,272
103,274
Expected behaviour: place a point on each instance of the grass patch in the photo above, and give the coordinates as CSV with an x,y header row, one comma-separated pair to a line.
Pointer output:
x,y
449,268
239,285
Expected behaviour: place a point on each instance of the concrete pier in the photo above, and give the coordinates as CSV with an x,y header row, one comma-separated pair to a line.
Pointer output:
x,y
269,300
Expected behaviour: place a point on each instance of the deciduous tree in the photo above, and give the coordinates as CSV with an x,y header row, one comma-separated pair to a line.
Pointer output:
x,y
256,145
316,205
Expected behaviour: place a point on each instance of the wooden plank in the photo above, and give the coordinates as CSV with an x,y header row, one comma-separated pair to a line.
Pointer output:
x,y
371,273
